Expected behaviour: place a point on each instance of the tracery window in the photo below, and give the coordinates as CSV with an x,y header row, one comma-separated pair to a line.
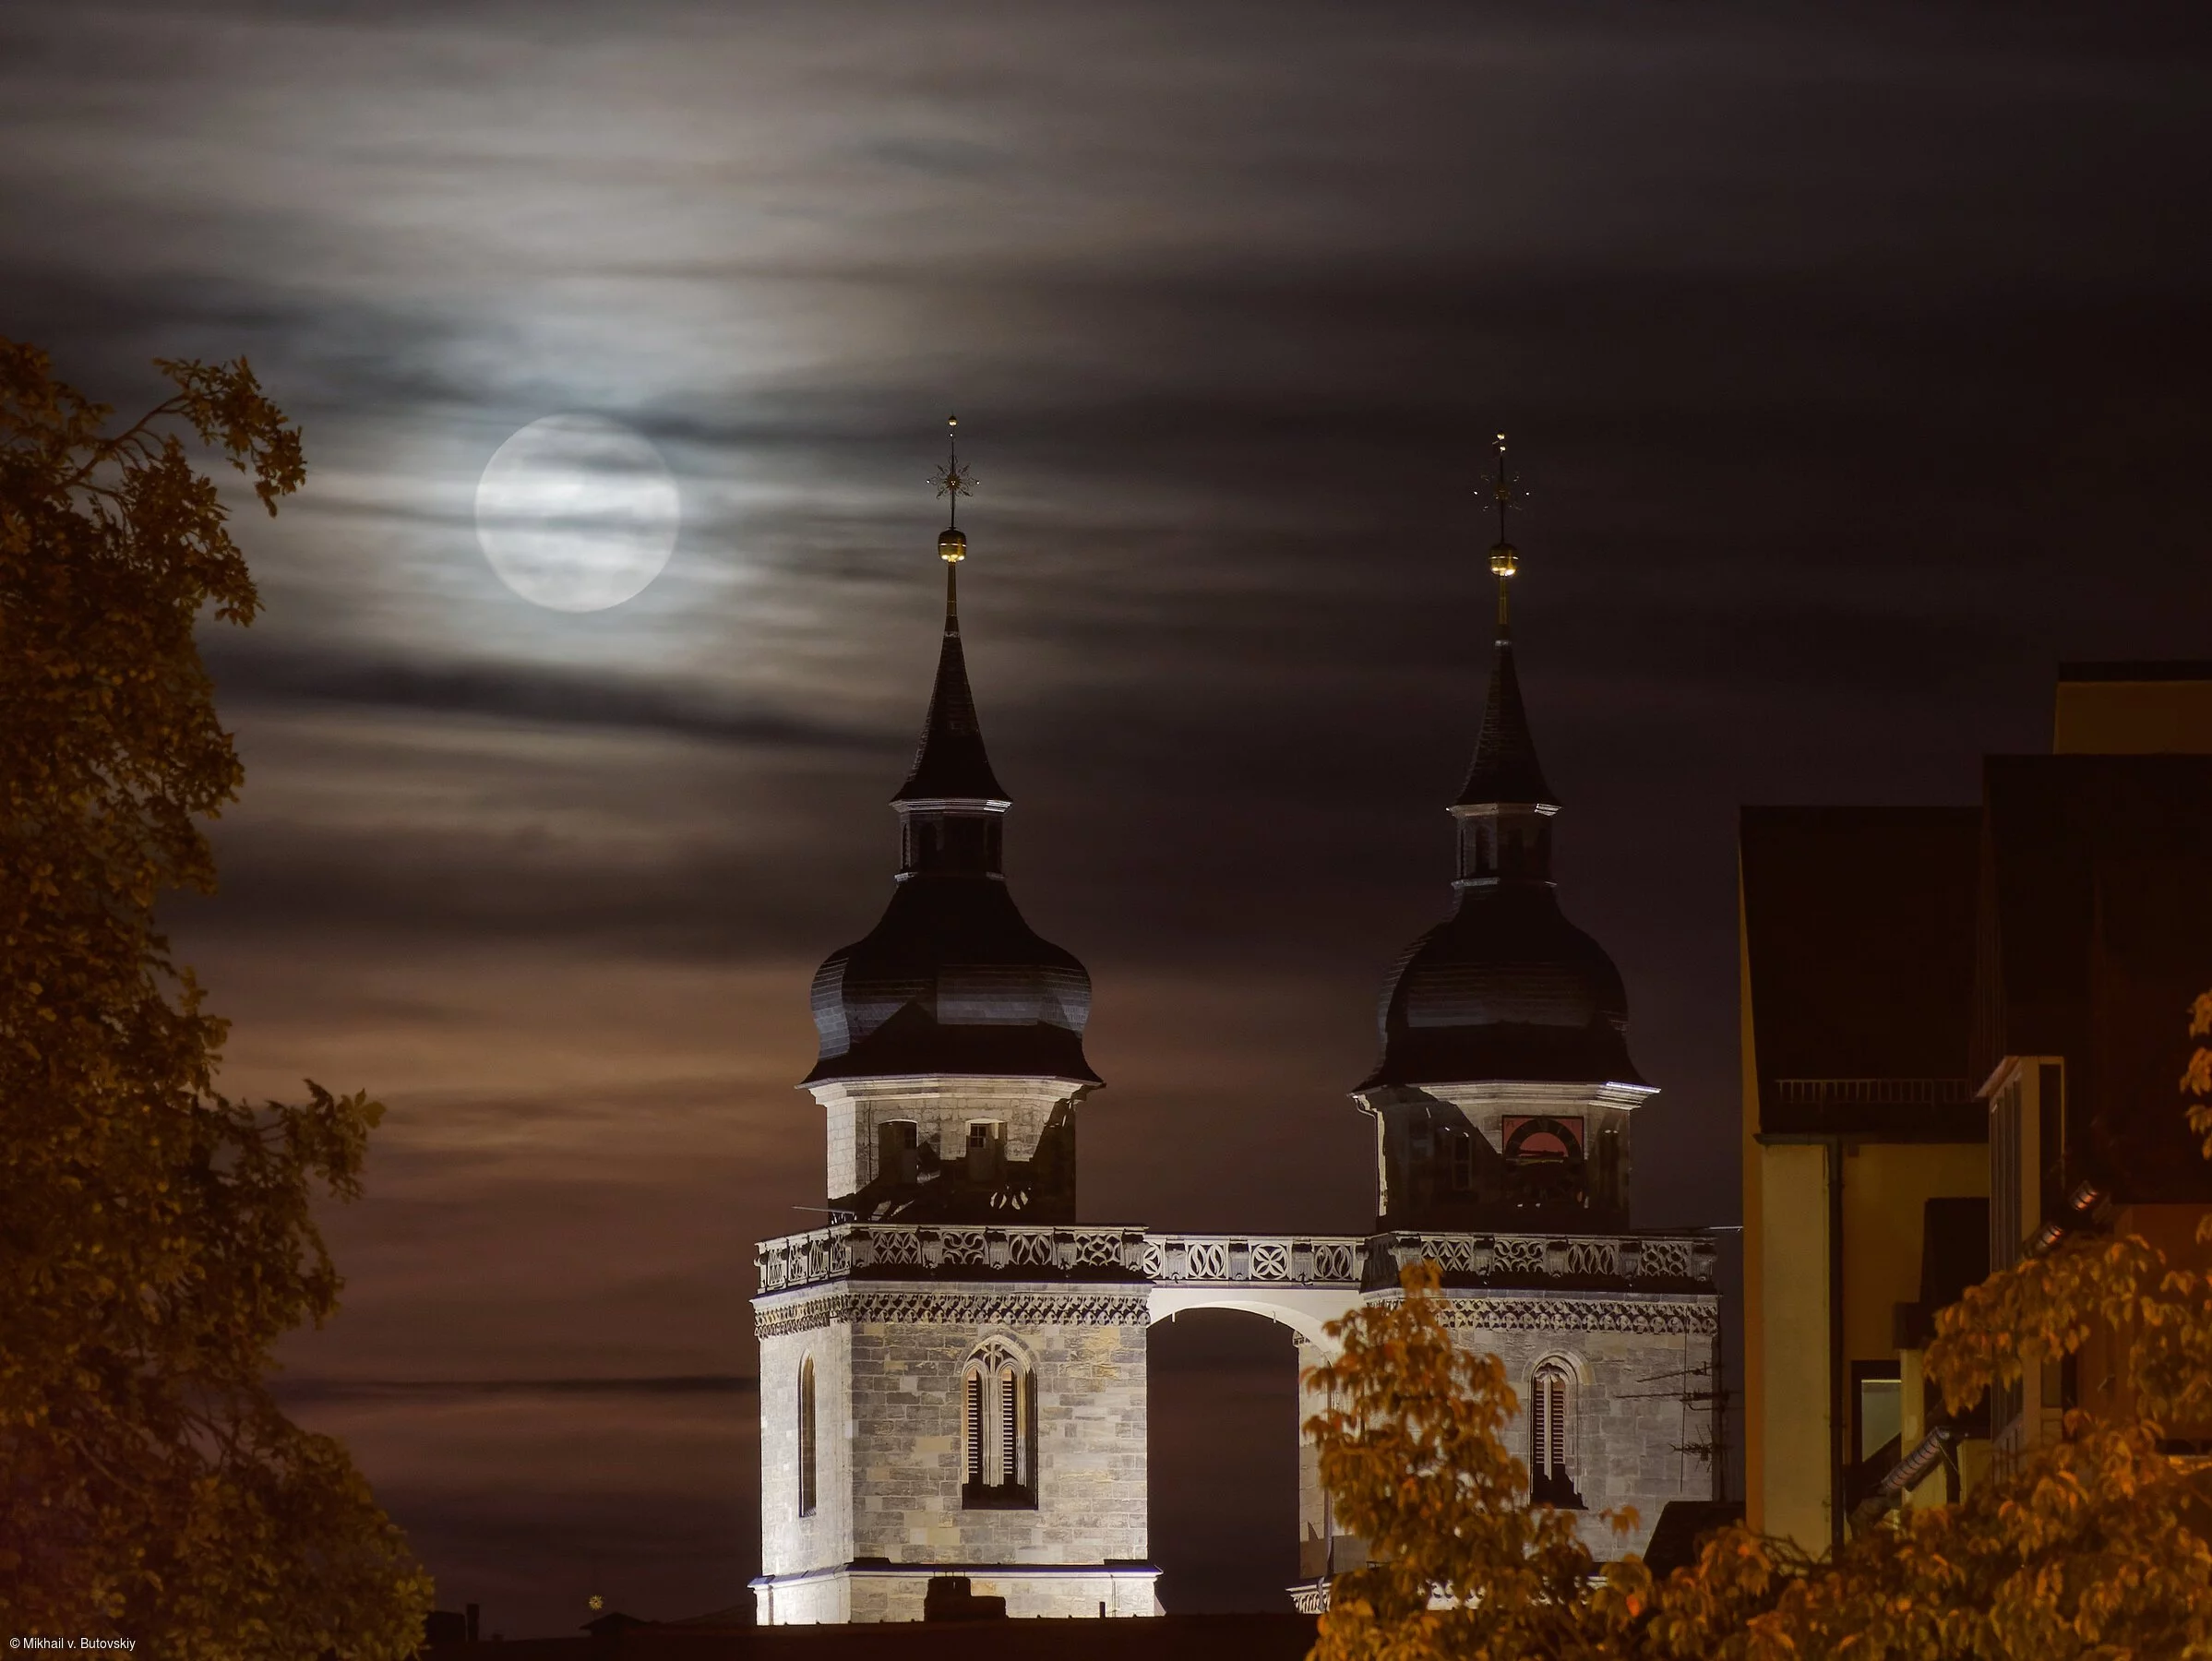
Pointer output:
x,y
807,1489
999,1436
1551,1395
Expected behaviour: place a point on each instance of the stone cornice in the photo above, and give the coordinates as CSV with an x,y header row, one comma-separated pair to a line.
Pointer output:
x,y
952,1306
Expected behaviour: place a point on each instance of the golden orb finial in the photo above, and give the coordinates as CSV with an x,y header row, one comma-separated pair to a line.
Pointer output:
x,y
1505,559
952,544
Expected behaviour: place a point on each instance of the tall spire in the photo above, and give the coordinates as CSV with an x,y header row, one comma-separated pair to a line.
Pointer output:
x,y
1505,559
952,981
1505,767
949,763
1504,989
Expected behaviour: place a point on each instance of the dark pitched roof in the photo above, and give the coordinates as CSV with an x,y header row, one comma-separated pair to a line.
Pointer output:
x,y
1505,767
2169,669
1858,942
2056,824
950,762
2097,933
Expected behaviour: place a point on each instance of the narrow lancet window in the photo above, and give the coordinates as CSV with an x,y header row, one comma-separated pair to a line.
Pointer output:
x,y
807,1480
972,1413
1550,1390
999,1430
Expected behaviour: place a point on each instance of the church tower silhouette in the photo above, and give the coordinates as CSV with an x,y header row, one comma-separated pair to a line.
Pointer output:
x,y
953,1390
962,1396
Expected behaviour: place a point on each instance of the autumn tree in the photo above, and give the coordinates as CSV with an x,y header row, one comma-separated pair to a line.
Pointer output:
x,y
2097,1544
1413,1454
156,1237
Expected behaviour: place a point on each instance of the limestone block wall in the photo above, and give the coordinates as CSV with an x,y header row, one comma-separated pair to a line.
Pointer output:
x,y
876,1595
791,1544
940,1108
1323,1546
1087,1349
1625,1417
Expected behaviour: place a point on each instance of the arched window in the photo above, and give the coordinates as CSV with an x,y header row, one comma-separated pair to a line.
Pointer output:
x,y
999,1434
806,1438
1551,1395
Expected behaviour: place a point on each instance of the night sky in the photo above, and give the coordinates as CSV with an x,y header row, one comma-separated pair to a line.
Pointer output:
x,y
1855,359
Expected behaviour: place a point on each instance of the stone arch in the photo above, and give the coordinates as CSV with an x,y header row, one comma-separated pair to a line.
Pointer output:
x,y
1302,1311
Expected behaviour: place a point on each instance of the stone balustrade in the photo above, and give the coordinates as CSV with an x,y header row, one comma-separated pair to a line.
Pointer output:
x,y
914,1249
1183,1259
1501,1257
1010,1252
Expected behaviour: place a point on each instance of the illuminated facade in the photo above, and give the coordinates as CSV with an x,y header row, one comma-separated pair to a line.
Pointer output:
x,y
1961,1031
953,1372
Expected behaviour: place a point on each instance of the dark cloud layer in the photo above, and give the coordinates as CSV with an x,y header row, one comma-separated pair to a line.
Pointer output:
x,y
1855,360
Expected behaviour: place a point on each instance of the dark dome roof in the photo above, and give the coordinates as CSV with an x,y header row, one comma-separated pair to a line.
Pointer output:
x,y
952,981
1505,987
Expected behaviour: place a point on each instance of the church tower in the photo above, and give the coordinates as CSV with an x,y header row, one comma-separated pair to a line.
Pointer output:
x,y
1504,1091
952,1374
951,1035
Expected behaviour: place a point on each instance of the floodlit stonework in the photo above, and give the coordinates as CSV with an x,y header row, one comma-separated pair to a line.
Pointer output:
x,y
891,1511
953,1372
889,1314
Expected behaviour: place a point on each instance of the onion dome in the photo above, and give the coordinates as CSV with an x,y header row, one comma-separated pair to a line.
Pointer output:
x,y
1505,987
951,980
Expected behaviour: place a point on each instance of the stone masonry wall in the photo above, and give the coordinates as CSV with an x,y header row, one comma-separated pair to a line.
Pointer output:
x,y
791,1544
940,1108
1090,1395
1624,1419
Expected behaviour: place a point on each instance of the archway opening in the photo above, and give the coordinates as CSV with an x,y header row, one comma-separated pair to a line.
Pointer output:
x,y
1224,1460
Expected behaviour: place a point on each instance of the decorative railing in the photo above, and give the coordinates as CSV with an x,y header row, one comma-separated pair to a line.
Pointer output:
x,y
1550,1257
1249,1260
897,1248
1861,1093
902,1251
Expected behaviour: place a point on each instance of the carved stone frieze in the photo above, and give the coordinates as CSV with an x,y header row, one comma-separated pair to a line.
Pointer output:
x,y
954,1306
1570,1314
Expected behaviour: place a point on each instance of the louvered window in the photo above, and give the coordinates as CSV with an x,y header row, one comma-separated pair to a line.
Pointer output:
x,y
998,1431
1551,1394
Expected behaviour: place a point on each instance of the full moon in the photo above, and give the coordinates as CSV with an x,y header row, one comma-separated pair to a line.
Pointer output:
x,y
577,513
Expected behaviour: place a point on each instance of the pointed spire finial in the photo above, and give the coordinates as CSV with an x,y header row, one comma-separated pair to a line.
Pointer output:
x,y
951,762
950,480
1505,559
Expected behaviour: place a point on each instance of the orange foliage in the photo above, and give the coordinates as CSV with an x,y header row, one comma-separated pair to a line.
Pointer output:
x,y
2098,1544
155,1238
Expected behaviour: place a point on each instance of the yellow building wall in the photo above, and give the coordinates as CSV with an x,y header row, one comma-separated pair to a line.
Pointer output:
x,y
1885,1187
1755,1281
2132,718
1789,1337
